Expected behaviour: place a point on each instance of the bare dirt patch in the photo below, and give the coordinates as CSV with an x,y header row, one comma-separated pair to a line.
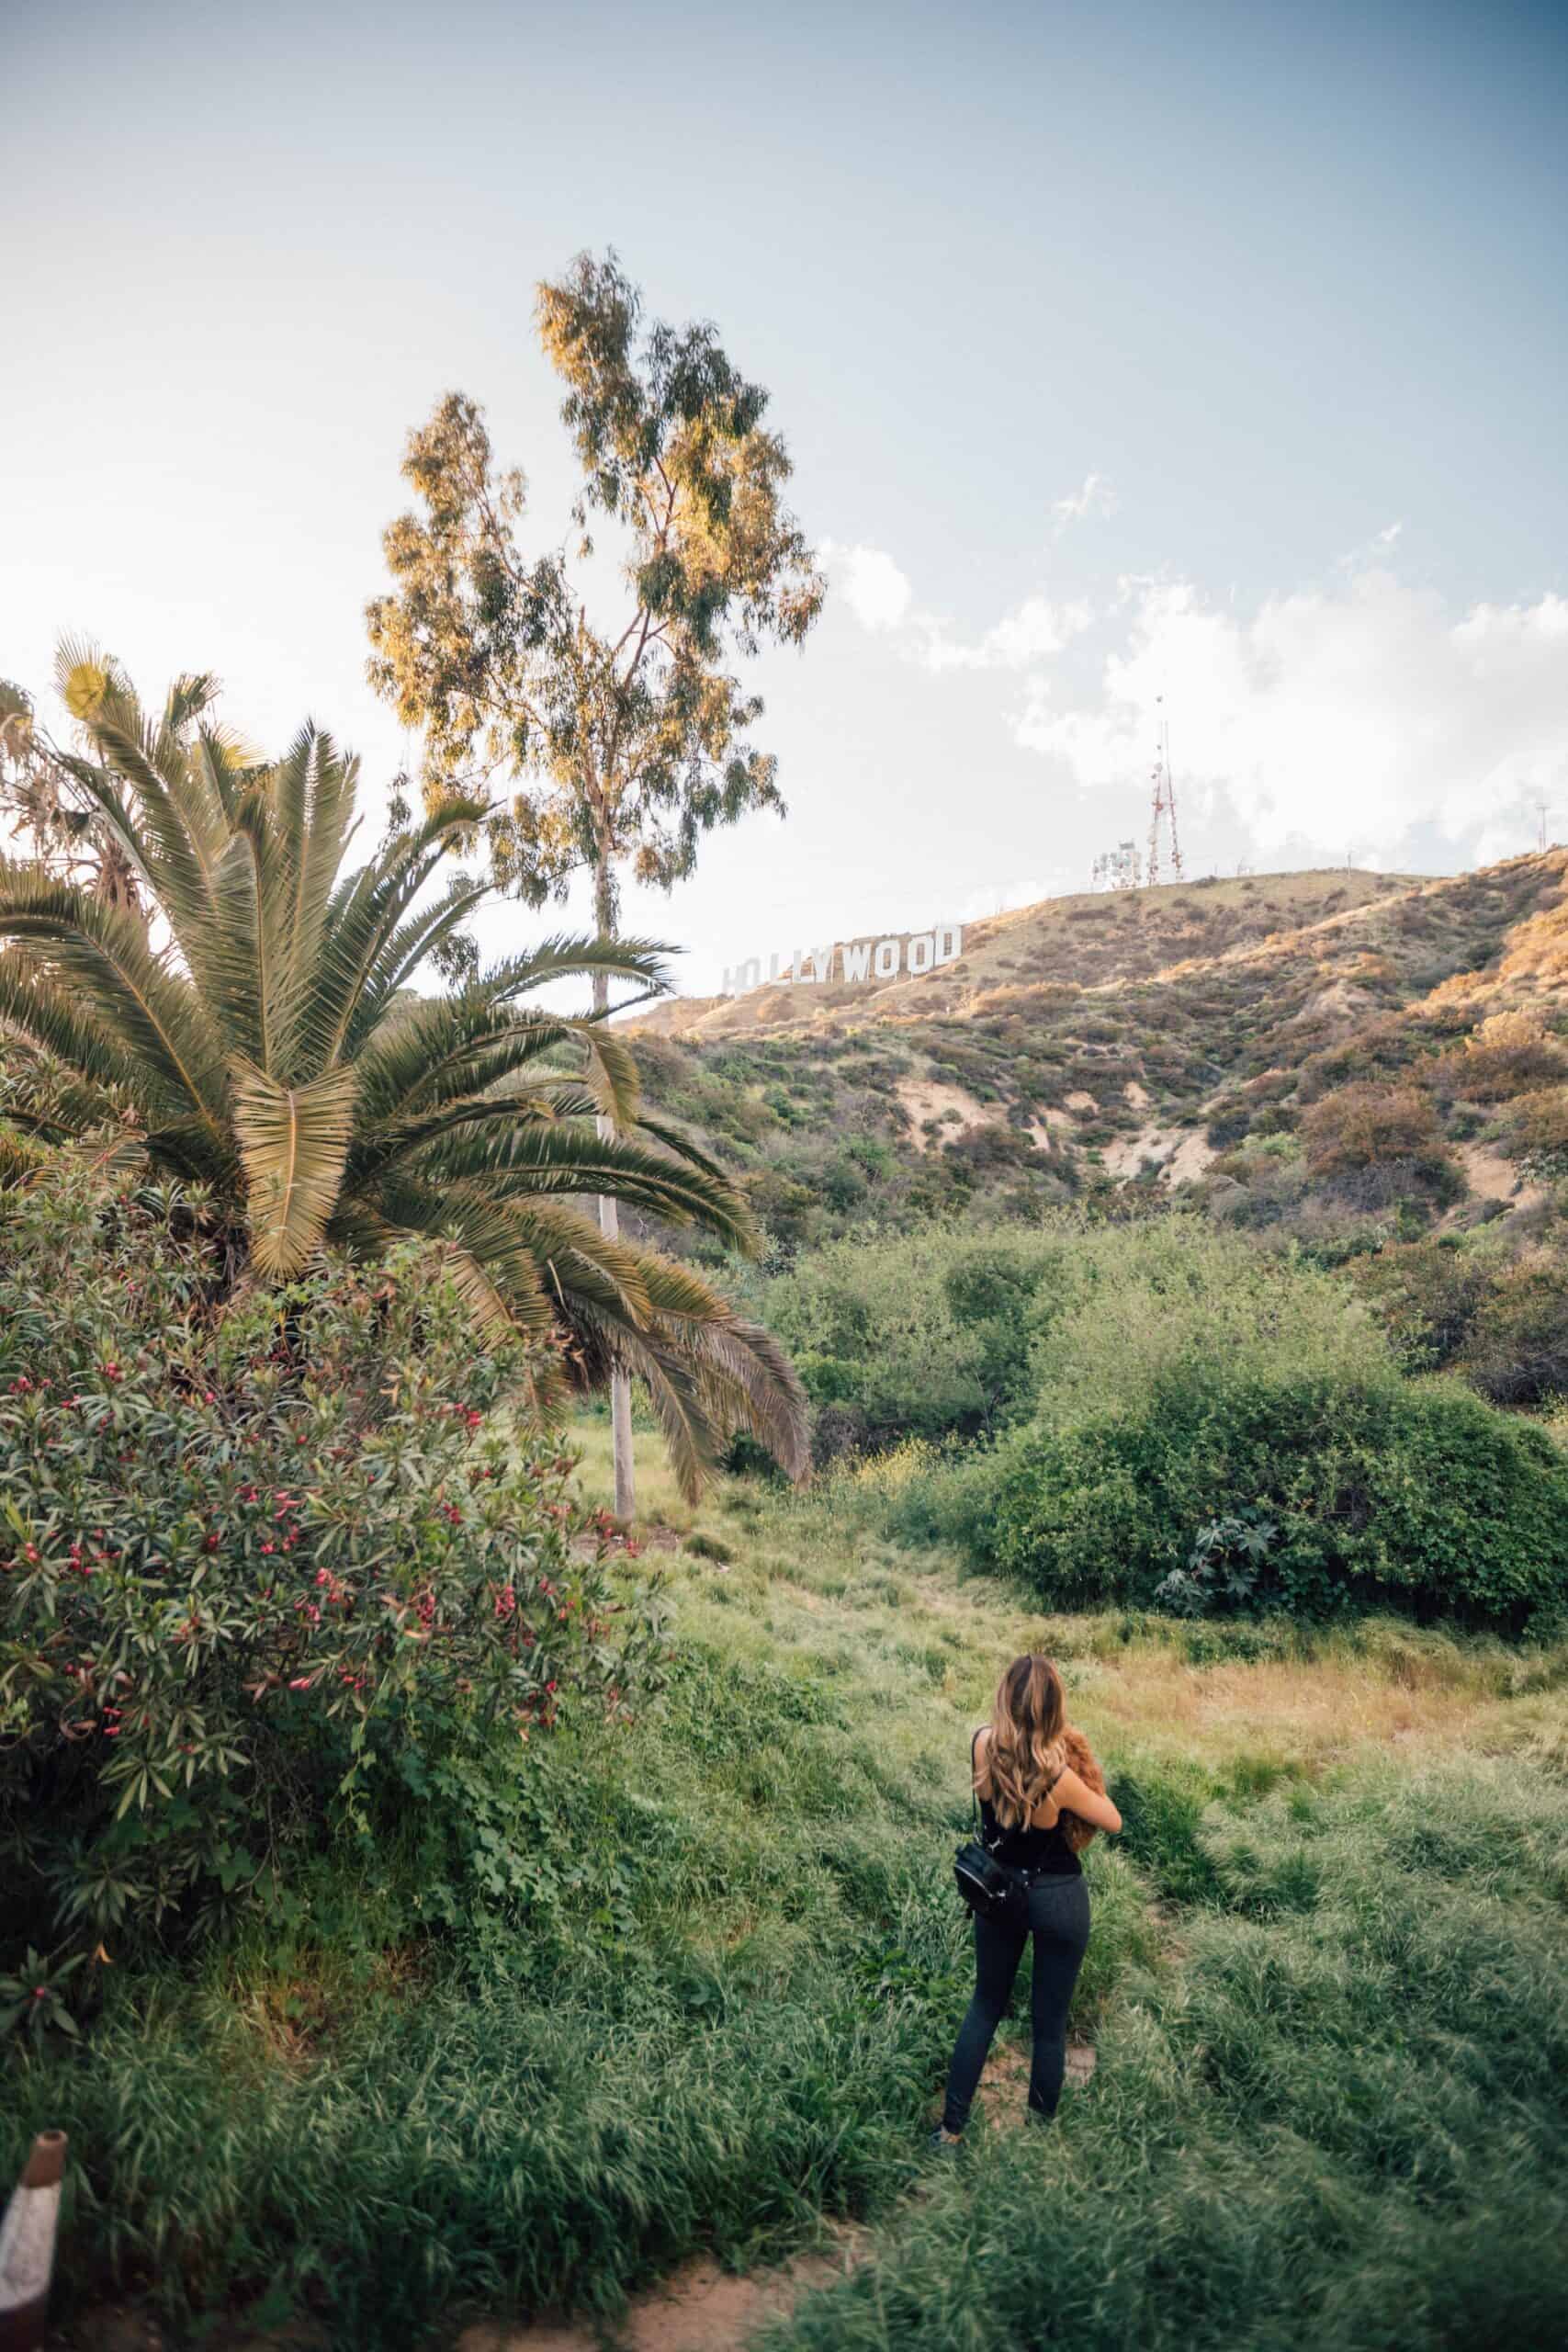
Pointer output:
x,y
1003,2094
700,2308
1493,1177
1182,1153
931,1098
1190,1160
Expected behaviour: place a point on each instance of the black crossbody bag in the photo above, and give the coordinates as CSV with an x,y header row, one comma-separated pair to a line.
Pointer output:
x,y
991,1890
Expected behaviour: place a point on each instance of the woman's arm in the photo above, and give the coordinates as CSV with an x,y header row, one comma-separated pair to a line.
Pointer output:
x,y
1073,1795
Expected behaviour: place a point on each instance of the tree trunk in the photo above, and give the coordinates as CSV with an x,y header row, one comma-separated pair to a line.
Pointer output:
x,y
610,1226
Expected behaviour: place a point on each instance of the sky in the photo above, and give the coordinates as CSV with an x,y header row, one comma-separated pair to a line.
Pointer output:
x,y
1123,350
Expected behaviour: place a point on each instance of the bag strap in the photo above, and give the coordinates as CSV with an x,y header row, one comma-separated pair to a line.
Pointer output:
x,y
974,1792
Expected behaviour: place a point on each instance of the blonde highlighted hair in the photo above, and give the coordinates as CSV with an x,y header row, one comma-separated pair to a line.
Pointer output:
x,y
1026,1749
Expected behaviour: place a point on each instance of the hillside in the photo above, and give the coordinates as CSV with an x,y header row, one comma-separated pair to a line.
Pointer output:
x,y
1184,1039
1093,938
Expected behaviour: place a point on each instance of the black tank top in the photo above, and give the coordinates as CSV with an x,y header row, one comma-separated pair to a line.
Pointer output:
x,y
1045,1851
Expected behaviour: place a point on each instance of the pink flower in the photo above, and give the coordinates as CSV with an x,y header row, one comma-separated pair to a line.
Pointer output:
x,y
300,1682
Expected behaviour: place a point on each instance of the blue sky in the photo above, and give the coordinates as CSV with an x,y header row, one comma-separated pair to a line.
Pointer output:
x,y
1216,351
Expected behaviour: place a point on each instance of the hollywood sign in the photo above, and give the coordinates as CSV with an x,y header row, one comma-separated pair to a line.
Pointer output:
x,y
913,952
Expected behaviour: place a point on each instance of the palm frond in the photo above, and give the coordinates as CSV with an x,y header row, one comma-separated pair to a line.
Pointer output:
x,y
467,1044
410,946
174,856
537,1256
293,1143
313,789
365,922
567,1158
151,1010
55,1018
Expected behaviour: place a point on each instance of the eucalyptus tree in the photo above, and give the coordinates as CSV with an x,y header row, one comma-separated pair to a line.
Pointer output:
x,y
248,1027
622,741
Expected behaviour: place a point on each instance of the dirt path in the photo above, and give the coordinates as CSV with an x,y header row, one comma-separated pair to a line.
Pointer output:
x,y
701,2308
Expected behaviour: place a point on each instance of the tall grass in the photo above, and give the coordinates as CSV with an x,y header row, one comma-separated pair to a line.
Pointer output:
x,y
1327,1980
1336,2119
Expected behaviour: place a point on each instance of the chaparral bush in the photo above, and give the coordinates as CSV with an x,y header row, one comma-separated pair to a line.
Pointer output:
x,y
1517,1350
1426,1295
1537,1134
1376,1144
1507,1054
256,1551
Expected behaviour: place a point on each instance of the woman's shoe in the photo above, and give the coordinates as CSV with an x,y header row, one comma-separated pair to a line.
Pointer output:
x,y
945,2144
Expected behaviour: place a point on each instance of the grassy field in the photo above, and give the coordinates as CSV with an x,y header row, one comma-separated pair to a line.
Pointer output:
x,y
1328,1983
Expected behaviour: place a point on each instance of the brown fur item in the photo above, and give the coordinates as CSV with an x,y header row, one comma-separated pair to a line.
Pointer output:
x,y
1081,1761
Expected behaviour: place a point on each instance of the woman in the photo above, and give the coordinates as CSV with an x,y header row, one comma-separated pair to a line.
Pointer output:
x,y
1025,1783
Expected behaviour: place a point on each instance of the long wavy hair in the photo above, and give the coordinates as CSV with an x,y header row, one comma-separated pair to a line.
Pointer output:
x,y
1026,1750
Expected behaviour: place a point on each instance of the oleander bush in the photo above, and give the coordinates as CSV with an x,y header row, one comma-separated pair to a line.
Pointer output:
x,y
266,1558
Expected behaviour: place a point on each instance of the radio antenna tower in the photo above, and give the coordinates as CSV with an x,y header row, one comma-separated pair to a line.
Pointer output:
x,y
1544,810
1164,803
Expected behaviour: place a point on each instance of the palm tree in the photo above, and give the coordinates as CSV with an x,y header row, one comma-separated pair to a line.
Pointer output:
x,y
244,1020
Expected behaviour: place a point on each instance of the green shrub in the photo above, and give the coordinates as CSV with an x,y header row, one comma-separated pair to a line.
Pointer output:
x,y
260,1560
1381,1493
1138,1303
1508,1054
925,1335
1537,1134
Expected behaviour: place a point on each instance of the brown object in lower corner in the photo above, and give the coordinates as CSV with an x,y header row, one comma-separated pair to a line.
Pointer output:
x,y
27,2245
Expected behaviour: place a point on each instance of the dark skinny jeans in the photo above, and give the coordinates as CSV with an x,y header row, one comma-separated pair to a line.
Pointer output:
x,y
1058,1920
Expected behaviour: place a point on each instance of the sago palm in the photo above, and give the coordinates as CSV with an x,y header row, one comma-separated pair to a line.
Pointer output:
x,y
248,1024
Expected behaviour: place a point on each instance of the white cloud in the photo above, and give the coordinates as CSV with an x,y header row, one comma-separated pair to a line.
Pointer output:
x,y
1094,495
879,594
872,584
1350,712
1030,633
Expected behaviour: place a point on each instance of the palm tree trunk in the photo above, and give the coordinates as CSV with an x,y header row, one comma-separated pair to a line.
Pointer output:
x,y
610,1226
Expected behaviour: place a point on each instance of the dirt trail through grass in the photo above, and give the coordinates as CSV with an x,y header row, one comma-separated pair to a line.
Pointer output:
x,y
701,2308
